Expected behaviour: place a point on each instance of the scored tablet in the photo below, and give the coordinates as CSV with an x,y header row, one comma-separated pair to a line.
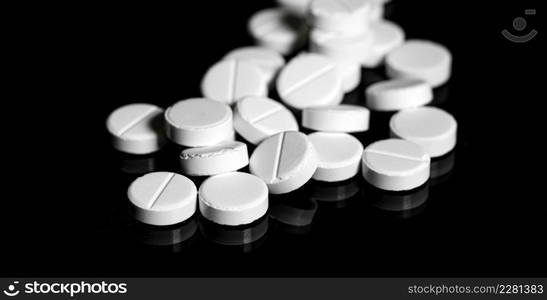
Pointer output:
x,y
230,80
137,128
267,60
339,156
162,198
395,165
397,94
256,118
285,161
310,80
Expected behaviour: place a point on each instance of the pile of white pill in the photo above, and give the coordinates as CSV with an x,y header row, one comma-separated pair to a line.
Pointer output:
x,y
265,94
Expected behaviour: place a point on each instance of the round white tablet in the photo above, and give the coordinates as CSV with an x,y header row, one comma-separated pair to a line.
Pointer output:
x,y
376,12
285,161
278,29
386,36
432,128
395,165
420,59
310,80
396,94
342,16
339,118
230,80
267,60
137,128
222,158
233,198
336,46
339,156
256,118
199,122
162,198
299,7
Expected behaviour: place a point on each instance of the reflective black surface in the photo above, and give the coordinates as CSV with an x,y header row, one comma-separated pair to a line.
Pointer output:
x,y
483,213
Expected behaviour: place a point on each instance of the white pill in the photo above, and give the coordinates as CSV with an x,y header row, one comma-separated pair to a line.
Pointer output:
x,y
432,128
310,80
222,158
339,156
267,60
396,94
343,16
395,165
278,29
162,198
137,128
339,118
256,118
351,75
233,198
285,161
386,36
230,80
420,59
341,47
198,122
376,12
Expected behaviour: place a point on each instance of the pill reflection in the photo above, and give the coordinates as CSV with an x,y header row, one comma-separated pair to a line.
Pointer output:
x,y
336,194
247,236
295,215
138,165
398,204
174,235
441,168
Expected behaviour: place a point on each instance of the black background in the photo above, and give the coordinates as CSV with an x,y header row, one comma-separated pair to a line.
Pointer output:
x,y
64,213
